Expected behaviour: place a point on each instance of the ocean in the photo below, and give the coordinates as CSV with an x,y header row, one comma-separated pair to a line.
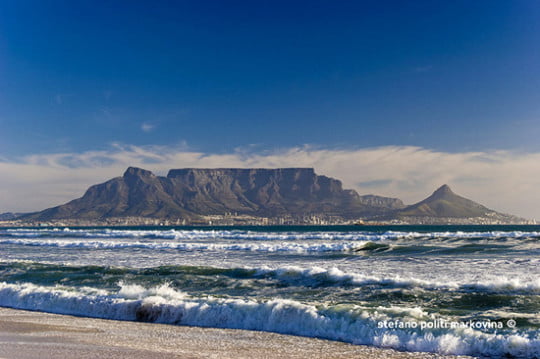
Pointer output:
x,y
471,290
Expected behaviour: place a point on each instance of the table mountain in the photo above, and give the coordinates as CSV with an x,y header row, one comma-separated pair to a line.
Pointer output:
x,y
191,193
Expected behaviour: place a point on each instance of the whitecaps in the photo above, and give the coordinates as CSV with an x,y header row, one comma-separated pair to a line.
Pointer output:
x,y
255,235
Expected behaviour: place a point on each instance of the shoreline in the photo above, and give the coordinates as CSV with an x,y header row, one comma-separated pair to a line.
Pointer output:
x,y
29,334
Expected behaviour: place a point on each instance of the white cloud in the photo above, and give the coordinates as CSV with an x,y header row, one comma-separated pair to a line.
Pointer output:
x,y
147,127
61,98
503,180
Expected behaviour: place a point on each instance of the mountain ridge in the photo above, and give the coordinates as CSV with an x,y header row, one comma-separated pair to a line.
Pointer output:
x,y
277,195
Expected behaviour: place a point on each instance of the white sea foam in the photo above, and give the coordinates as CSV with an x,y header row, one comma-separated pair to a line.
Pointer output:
x,y
351,324
135,291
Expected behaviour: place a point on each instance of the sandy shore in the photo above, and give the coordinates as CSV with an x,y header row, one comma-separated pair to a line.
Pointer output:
x,y
25,334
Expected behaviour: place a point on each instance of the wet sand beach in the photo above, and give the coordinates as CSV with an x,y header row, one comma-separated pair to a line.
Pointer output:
x,y
26,334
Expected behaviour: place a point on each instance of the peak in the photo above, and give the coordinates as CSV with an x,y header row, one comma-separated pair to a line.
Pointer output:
x,y
444,187
138,172
443,190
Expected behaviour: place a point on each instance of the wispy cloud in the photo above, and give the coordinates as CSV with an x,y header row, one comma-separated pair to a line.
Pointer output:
x,y
147,127
425,68
105,112
60,98
503,180
107,94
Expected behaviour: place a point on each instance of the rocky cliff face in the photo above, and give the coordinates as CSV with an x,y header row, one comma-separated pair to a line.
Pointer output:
x,y
190,193
267,192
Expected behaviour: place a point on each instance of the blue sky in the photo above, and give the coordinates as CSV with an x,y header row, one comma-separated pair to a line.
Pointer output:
x,y
393,97
444,75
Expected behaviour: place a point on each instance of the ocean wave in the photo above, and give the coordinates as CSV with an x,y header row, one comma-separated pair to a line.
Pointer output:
x,y
306,246
291,275
199,234
297,247
347,323
335,276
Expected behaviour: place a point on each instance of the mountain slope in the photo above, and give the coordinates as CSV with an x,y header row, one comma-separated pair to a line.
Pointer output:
x,y
137,193
444,206
8,216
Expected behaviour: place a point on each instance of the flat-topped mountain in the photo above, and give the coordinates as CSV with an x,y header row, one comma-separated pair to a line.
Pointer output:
x,y
191,193
446,206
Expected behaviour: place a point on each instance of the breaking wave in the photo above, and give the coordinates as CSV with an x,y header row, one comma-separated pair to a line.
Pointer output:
x,y
309,276
348,323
